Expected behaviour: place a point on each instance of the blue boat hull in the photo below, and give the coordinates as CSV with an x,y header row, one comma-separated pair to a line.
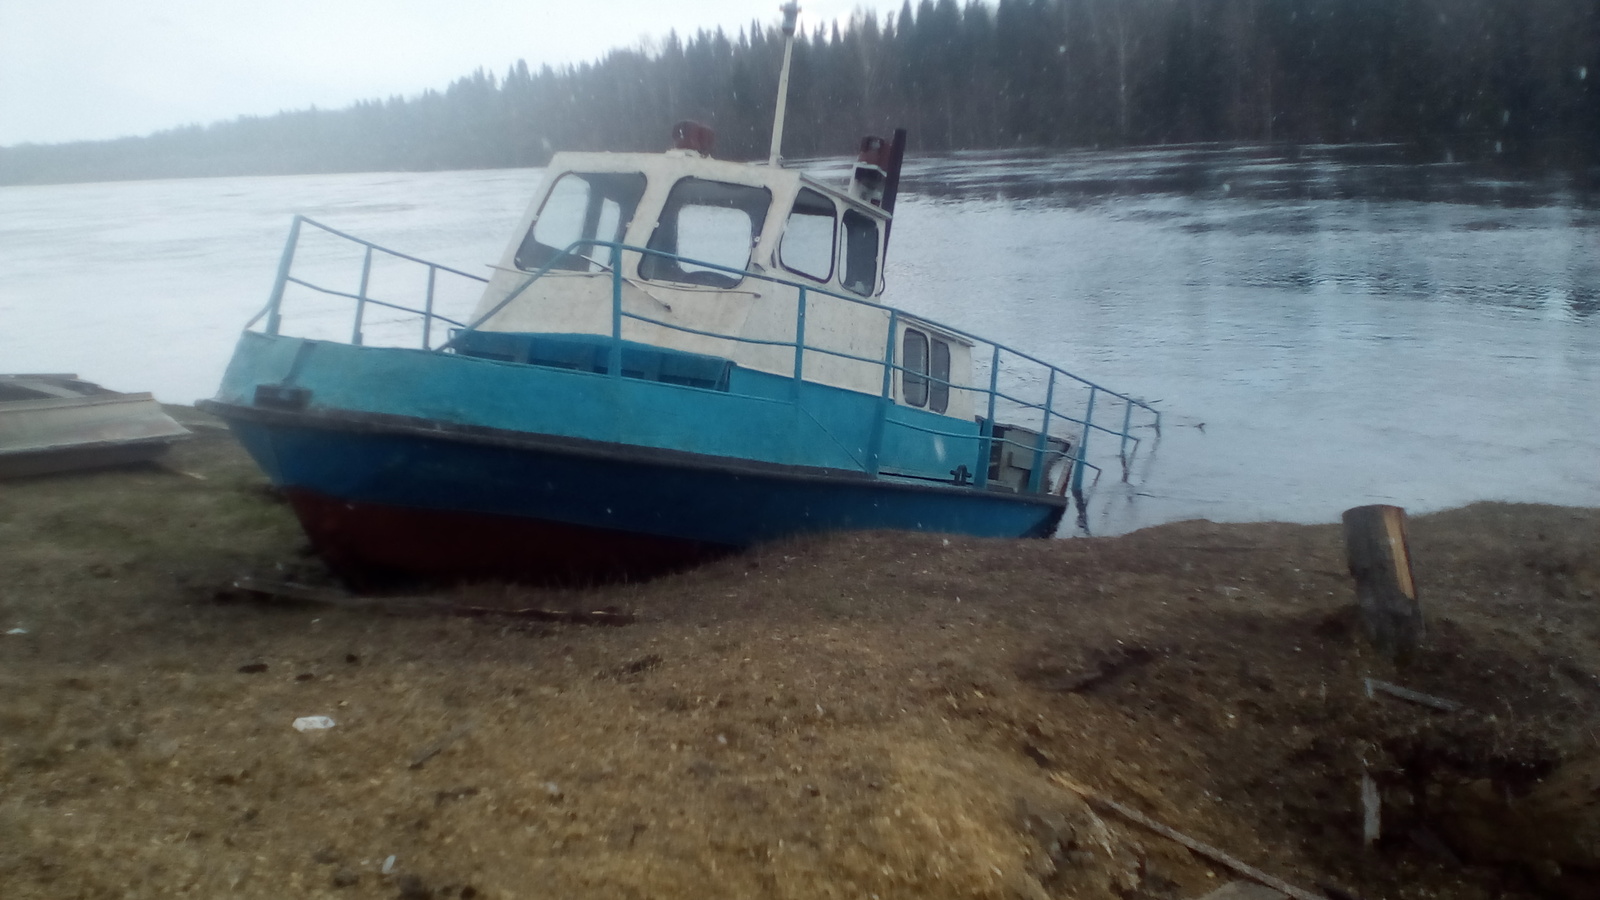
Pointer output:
x,y
392,494
446,464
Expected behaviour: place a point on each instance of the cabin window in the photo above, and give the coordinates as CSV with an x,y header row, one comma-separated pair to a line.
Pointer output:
x,y
939,368
914,357
860,253
925,381
706,224
593,206
809,236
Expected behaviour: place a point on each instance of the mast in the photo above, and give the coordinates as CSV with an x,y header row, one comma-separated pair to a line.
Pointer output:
x,y
791,11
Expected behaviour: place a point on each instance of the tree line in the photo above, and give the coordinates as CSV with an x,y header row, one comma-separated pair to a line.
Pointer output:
x,y
1464,77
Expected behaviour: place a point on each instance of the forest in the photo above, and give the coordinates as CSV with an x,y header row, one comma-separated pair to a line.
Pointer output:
x,y
1452,78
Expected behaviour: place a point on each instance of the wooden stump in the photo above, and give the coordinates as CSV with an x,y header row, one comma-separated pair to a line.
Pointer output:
x,y
1380,563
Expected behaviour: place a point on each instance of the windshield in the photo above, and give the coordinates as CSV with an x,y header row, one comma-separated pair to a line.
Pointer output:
x,y
707,222
594,206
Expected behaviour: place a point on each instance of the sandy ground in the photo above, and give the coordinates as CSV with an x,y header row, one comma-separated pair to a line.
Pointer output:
x,y
868,715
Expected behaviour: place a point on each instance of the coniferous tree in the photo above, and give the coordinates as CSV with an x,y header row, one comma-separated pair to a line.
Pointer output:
x,y
1515,77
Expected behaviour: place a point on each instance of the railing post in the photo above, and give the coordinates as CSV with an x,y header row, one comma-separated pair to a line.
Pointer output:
x,y
875,441
615,361
361,297
800,342
1083,444
980,474
1122,451
888,353
1036,477
427,310
285,263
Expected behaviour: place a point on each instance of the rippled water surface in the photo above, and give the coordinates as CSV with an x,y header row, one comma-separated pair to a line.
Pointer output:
x,y
1323,329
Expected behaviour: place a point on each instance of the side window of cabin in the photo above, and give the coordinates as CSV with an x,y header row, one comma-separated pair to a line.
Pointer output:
x,y
809,237
581,207
939,368
706,222
860,253
926,379
914,357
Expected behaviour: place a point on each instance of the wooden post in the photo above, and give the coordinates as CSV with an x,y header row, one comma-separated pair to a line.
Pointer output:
x,y
1380,563
1371,810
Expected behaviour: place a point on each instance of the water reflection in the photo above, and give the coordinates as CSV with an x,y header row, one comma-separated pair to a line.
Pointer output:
x,y
1257,173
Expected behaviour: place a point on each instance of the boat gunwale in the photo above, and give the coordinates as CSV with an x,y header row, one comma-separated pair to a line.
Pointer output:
x,y
388,423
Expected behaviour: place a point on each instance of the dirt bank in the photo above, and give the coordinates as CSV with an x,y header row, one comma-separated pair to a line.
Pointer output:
x,y
864,715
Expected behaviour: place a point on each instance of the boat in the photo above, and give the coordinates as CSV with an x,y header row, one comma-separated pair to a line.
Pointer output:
x,y
59,423
676,356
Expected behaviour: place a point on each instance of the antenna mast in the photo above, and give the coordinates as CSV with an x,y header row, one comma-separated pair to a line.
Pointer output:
x,y
791,11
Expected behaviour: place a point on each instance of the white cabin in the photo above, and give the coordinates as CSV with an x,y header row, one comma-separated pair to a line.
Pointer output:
x,y
748,218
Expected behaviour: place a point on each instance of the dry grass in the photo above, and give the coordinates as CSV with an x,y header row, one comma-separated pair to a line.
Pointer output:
x,y
856,716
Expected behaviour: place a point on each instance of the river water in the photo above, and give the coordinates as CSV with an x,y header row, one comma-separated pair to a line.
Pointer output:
x,y
1322,329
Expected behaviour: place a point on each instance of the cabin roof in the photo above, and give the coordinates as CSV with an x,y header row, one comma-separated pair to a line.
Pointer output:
x,y
678,163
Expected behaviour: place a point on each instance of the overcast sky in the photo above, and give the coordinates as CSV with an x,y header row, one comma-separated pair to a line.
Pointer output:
x,y
94,69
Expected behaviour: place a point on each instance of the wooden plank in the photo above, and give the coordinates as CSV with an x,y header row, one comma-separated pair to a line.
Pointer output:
x,y
1371,810
1244,890
1375,686
420,606
1205,850
1386,592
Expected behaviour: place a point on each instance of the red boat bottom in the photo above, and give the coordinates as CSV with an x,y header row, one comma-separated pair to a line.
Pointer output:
x,y
366,541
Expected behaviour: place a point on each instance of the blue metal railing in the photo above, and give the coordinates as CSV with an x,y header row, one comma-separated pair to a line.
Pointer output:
x,y
987,439
273,311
